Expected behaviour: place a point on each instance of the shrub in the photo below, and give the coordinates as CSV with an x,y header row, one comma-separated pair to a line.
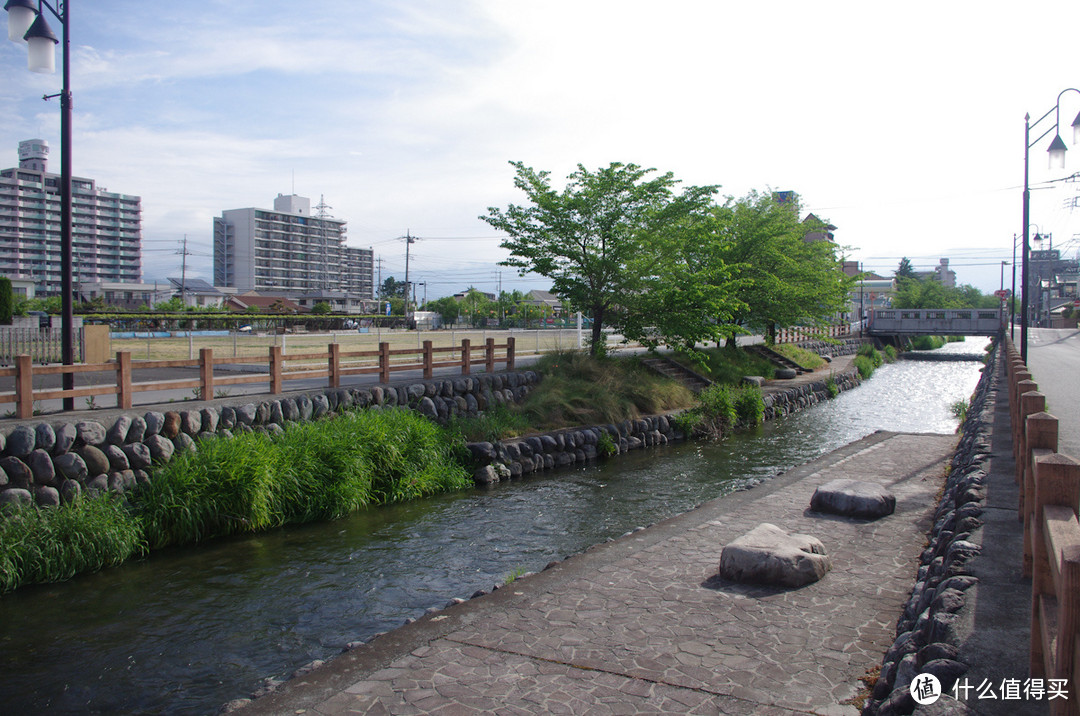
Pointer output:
x,y
831,388
890,353
927,343
605,445
864,365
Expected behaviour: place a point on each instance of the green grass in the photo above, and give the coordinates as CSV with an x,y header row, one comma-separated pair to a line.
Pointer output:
x,y
314,471
927,343
728,365
40,545
801,356
249,483
721,409
495,423
579,389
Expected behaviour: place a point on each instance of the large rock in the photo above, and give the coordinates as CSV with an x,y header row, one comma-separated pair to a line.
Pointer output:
x,y
90,432
853,498
768,555
21,441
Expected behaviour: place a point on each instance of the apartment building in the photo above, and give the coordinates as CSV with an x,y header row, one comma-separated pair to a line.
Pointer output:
x,y
106,234
288,251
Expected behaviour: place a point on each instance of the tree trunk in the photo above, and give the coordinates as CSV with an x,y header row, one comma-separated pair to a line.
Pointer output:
x,y
597,330
770,334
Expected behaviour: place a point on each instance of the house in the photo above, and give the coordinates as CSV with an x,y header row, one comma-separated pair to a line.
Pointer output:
x,y
545,298
265,304
197,292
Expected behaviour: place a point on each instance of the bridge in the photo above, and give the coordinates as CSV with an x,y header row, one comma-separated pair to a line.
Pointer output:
x,y
935,322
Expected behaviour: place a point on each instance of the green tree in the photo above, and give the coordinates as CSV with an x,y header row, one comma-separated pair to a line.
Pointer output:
x,y
931,293
589,238
392,288
905,270
7,300
173,305
781,280
447,307
321,308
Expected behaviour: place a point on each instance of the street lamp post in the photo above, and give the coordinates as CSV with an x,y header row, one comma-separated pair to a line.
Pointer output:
x,y
27,24
1057,157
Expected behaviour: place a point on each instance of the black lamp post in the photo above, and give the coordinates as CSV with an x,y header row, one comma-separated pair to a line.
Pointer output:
x,y
27,25
1057,157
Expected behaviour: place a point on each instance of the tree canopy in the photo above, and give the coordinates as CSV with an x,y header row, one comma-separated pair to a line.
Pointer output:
x,y
590,237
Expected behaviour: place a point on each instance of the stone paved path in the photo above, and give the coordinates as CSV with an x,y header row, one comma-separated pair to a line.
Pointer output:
x,y
644,624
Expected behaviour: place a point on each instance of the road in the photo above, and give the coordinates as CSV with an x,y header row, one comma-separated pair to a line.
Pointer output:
x,y
1054,360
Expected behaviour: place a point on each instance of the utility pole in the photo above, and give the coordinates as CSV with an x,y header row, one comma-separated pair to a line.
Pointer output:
x,y
183,273
409,241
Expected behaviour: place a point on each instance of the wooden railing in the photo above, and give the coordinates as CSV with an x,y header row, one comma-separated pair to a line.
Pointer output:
x,y
1049,485
334,364
797,335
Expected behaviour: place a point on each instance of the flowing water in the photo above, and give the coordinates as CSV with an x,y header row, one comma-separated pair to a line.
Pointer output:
x,y
186,630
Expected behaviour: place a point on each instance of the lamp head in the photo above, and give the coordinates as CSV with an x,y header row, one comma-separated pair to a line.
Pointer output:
x,y
21,14
1076,129
1057,153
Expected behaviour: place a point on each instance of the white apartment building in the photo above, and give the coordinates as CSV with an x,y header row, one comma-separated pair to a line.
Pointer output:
x,y
288,250
106,235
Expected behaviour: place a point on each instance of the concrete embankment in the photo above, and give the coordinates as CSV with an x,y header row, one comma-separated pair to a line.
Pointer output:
x,y
645,624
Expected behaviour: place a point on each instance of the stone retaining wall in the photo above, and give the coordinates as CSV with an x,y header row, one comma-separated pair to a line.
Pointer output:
x,y
507,459
830,349
924,632
52,463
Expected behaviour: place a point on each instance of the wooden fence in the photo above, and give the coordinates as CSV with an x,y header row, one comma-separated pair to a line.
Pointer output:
x,y
1049,485
797,335
333,364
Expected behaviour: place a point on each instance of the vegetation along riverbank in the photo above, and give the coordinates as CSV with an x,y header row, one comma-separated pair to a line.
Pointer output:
x,y
83,497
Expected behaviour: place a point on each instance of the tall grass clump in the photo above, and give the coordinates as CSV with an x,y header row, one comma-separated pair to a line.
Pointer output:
x,y
579,389
867,360
494,423
723,408
927,343
51,544
313,471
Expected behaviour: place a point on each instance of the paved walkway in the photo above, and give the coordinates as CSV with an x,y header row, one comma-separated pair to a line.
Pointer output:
x,y
644,624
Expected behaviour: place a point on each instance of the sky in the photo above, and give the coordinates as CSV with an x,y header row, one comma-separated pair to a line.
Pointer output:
x,y
902,125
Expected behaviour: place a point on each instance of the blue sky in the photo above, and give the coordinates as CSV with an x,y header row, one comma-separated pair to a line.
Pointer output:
x,y
903,125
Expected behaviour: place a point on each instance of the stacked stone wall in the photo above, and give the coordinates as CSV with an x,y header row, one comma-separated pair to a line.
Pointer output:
x,y
507,459
53,463
925,637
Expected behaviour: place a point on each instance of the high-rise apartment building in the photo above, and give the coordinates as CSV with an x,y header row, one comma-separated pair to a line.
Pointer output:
x,y
106,233
288,250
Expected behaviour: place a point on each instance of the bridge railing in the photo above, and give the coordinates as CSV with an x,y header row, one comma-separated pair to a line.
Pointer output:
x,y
1049,496
936,321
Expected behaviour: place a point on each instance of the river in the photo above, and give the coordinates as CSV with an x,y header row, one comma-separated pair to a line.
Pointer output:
x,y
185,630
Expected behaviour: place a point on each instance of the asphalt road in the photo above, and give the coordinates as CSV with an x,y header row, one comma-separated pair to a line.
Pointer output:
x,y
1054,360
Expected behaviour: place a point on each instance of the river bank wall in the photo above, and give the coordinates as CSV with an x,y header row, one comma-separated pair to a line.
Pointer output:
x,y
52,463
926,631
515,457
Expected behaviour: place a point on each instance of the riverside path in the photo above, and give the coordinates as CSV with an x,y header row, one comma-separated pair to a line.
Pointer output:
x,y
644,624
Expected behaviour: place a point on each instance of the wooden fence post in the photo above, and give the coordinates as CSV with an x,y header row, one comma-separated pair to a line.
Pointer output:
x,y
206,372
123,379
1040,433
384,362
510,352
24,386
1023,388
275,369
489,355
335,365
429,358
1057,483
466,356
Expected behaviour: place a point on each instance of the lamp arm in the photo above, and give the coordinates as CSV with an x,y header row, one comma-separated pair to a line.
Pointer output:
x,y
59,12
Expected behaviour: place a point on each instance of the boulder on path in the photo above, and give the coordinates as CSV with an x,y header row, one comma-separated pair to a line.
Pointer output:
x,y
768,555
853,498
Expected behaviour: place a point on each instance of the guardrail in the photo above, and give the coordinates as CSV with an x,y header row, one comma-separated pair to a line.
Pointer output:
x,y
1049,502
334,364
